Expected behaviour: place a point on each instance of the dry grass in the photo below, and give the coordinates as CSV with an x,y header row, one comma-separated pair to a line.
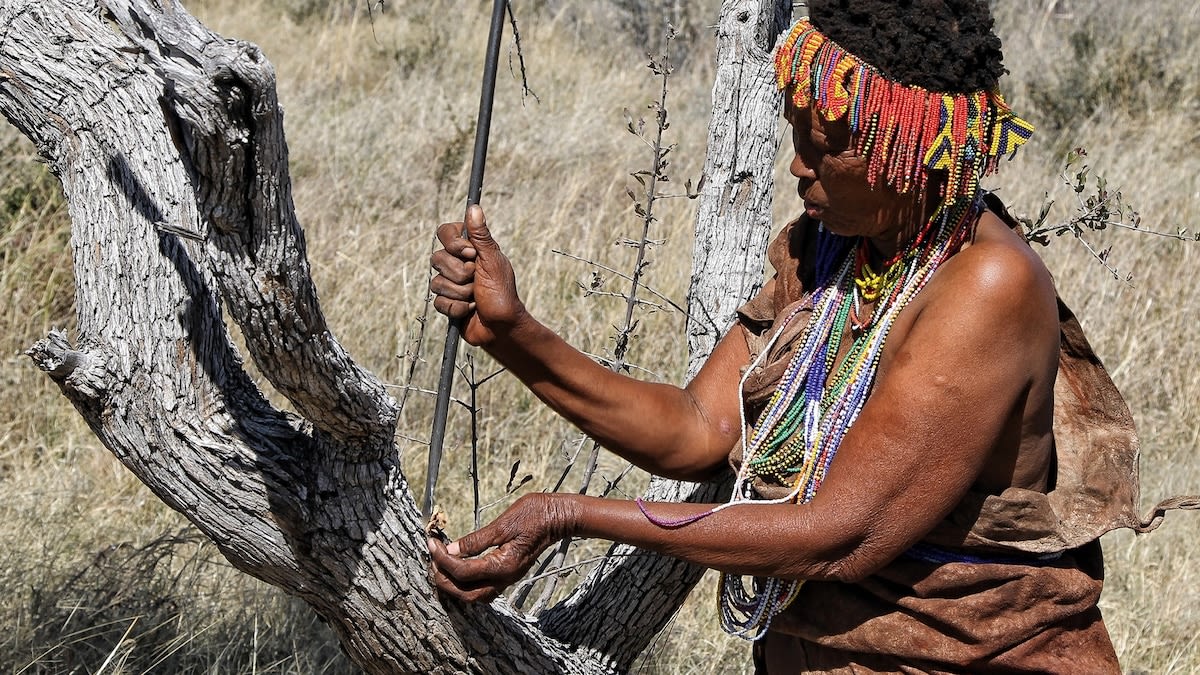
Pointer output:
x,y
380,121
1141,129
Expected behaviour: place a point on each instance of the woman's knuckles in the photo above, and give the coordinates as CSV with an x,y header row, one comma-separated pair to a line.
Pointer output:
x,y
447,233
451,308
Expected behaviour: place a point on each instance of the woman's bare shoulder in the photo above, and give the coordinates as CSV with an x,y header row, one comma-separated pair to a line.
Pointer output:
x,y
998,271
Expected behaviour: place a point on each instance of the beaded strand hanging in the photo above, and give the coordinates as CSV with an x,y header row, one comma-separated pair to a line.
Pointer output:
x,y
905,130
801,427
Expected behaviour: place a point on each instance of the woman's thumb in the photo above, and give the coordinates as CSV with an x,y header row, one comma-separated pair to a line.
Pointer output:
x,y
477,230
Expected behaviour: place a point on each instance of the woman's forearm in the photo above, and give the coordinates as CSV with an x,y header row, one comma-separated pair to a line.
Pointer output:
x,y
775,540
682,433
754,539
661,428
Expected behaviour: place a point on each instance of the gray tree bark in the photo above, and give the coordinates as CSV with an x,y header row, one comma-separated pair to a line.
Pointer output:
x,y
734,216
168,140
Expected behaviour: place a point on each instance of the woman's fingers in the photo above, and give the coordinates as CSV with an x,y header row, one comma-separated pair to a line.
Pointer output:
x,y
473,579
454,269
474,280
455,309
444,286
483,563
451,585
494,533
453,286
451,237
469,561
456,263
478,233
493,569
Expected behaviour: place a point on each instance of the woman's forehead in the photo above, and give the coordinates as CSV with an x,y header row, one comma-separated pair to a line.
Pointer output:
x,y
809,118
805,116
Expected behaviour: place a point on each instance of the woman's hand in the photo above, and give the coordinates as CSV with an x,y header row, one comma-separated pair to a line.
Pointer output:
x,y
474,280
516,539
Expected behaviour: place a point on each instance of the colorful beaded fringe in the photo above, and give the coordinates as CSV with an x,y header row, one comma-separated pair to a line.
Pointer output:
x,y
904,130
800,429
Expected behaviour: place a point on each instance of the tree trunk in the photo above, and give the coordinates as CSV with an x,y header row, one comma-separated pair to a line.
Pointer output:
x,y
168,140
734,218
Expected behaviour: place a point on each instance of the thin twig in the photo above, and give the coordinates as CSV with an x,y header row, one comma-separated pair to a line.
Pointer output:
x,y
521,594
590,471
555,565
589,561
624,276
421,390
644,208
662,68
613,294
614,483
474,468
611,365
1103,259
570,464
414,350
1178,236
525,90
1093,213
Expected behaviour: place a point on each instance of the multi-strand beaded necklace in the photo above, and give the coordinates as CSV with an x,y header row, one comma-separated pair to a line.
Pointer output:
x,y
817,400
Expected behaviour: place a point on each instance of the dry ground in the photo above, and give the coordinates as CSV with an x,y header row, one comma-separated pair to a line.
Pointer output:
x,y
379,118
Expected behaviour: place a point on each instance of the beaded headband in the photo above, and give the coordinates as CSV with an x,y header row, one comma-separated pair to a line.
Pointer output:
x,y
905,131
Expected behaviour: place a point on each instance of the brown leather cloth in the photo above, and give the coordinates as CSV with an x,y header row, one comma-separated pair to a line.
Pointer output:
x,y
914,616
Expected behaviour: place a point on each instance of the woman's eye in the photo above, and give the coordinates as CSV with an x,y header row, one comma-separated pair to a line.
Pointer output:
x,y
819,144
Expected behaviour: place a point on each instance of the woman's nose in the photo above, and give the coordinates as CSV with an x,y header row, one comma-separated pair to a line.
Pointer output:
x,y
800,168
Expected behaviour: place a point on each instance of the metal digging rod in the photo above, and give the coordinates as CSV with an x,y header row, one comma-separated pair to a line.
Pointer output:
x,y
454,330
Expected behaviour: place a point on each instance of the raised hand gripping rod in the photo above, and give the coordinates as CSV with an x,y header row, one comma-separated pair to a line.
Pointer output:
x,y
482,126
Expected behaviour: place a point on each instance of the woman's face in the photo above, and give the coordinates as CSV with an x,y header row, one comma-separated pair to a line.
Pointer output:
x,y
832,180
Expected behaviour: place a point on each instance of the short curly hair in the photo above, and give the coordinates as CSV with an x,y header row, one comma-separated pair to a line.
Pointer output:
x,y
940,45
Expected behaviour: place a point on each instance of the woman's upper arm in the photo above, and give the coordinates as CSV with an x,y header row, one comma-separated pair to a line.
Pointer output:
x,y
711,402
713,397
955,386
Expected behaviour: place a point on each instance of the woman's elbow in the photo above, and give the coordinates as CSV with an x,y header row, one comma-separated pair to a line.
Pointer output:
x,y
850,570
694,472
852,559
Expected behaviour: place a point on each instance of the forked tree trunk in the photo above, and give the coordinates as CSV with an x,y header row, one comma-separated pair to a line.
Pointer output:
x,y
168,140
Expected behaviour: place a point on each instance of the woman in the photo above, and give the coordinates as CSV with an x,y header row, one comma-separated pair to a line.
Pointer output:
x,y
900,503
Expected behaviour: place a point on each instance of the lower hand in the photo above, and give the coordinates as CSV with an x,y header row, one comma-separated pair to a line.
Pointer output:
x,y
516,539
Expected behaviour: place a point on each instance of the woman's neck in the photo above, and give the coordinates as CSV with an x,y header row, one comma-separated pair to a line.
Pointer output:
x,y
908,219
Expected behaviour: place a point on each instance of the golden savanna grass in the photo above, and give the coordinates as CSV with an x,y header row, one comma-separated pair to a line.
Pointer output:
x,y
380,117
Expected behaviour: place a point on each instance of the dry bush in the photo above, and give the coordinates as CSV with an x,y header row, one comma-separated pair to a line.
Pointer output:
x,y
379,119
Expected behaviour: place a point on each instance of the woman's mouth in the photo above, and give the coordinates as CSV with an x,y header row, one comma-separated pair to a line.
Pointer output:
x,y
810,207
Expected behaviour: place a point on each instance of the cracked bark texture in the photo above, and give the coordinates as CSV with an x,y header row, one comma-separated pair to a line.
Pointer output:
x,y
733,221
168,140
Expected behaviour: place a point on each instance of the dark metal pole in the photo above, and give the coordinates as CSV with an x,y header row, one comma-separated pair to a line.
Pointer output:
x,y
454,331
